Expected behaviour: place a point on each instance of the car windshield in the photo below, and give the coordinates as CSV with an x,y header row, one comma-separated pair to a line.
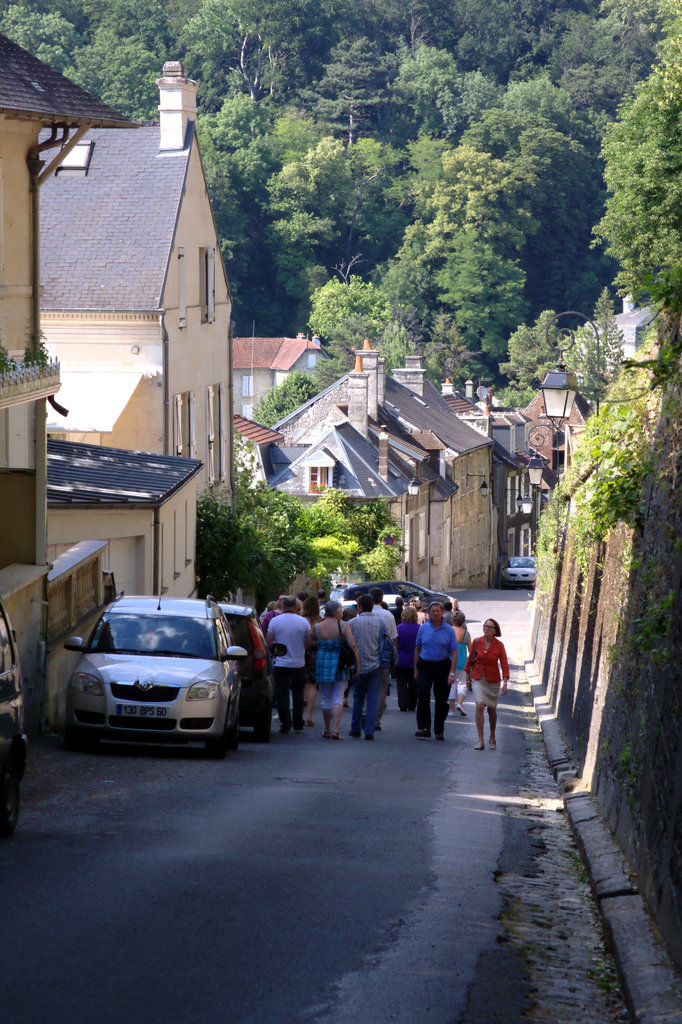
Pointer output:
x,y
522,563
119,633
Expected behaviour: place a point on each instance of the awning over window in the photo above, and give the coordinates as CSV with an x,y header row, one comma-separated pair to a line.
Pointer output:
x,y
94,400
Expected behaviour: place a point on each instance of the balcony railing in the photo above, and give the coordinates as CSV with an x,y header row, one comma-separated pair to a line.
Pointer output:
x,y
25,381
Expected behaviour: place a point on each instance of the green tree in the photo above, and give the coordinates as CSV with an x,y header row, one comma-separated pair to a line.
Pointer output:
x,y
533,350
351,97
642,225
296,389
596,368
332,304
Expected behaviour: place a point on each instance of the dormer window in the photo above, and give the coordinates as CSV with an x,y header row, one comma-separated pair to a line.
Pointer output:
x,y
318,479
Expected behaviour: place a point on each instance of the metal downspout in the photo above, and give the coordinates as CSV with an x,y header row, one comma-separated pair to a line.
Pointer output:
x,y
157,581
166,385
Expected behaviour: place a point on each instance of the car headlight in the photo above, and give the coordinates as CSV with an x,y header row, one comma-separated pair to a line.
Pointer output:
x,y
86,683
203,691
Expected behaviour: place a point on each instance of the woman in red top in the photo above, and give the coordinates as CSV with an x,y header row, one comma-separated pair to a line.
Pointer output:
x,y
482,669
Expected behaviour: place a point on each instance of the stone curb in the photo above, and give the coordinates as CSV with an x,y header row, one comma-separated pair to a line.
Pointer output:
x,y
650,982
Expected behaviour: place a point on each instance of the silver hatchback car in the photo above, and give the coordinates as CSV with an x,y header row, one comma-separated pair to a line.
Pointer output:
x,y
520,571
156,670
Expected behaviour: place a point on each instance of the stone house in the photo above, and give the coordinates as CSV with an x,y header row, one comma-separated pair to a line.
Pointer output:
x,y
259,364
373,435
516,529
136,304
34,99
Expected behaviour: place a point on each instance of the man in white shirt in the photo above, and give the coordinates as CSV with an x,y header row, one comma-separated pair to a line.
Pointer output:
x,y
288,672
377,595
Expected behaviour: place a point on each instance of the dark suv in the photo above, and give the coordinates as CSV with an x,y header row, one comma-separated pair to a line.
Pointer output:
x,y
391,589
255,702
12,738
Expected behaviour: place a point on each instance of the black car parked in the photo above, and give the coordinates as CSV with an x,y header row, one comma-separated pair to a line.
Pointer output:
x,y
391,589
12,738
255,704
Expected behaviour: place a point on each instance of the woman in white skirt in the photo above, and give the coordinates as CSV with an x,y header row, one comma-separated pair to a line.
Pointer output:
x,y
486,667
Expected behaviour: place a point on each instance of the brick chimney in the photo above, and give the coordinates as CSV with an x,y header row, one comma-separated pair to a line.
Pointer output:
x,y
383,454
177,106
469,390
357,397
412,374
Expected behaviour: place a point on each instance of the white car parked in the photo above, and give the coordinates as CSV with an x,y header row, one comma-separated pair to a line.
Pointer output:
x,y
156,670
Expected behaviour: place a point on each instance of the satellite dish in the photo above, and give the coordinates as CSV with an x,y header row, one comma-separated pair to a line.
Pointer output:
x,y
482,392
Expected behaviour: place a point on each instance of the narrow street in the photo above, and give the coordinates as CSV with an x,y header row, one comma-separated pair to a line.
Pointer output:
x,y
306,881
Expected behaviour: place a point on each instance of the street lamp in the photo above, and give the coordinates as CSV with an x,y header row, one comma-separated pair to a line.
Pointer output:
x,y
524,504
535,470
559,386
558,391
413,487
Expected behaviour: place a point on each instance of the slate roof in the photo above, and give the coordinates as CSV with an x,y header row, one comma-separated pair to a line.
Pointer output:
x,y
431,413
255,431
31,89
270,353
106,235
87,475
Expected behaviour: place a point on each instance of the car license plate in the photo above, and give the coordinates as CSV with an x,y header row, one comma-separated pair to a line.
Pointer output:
x,y
141,710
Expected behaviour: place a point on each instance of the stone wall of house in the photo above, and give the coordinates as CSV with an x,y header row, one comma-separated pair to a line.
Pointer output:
x,y
325,412
607,648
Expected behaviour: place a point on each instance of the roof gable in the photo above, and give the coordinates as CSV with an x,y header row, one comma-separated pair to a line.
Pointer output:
x,y
270,353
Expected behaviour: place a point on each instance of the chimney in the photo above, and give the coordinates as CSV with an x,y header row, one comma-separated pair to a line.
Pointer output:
x,y
370,365
381,381
628,304
178,105
357,397
447,387
412,374
469,389
383,454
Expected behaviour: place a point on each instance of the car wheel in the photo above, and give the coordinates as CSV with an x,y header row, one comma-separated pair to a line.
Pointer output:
x,y
216,747
263,726
232,734
82,740
9,797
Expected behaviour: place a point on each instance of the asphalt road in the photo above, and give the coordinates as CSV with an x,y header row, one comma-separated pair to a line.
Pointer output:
x,y
299,881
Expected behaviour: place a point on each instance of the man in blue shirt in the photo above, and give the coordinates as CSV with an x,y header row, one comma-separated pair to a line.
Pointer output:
x,y
435,646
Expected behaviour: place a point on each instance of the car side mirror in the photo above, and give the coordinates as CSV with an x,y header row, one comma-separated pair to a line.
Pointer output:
x,y
237,653
74,643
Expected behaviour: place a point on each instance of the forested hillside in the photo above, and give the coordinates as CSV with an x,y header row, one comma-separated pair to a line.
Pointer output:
x,y
427,172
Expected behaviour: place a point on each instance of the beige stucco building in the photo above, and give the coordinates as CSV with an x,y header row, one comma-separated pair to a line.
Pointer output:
x,y
136,304
33,99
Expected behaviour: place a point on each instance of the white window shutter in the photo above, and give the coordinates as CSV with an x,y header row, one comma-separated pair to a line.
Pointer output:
x,y
182,290
210,435
222,463
192,439
177,424
210,285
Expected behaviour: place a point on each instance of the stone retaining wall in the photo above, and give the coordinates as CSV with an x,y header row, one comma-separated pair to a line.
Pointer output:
x,y
607,647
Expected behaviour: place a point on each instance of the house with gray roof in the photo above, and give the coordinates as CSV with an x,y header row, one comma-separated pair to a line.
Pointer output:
x,y
136,304
141,504
42,117
395,437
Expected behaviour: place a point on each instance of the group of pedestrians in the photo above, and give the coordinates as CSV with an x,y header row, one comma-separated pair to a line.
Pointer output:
x,y
436,655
